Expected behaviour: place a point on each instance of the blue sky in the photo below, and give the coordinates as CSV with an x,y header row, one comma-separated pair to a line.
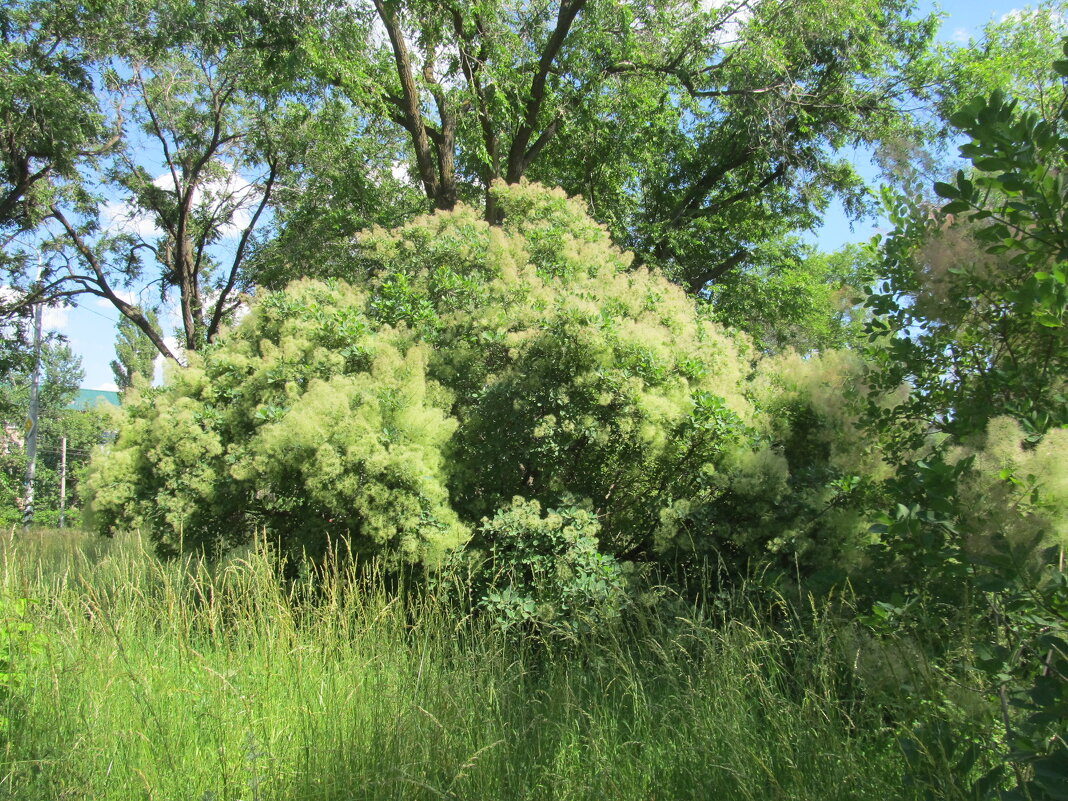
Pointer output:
x,y
90,327
963,20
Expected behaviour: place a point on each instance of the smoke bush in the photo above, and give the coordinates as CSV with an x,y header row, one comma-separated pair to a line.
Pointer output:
x,y
459,365
1016,490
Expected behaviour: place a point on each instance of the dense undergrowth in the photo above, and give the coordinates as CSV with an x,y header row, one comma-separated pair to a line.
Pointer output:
x,y
135,678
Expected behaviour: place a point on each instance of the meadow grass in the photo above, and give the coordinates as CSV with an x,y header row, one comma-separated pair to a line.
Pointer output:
x,y
136,678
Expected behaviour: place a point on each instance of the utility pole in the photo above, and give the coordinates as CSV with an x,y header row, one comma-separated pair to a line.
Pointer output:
x,y
63,482
31,420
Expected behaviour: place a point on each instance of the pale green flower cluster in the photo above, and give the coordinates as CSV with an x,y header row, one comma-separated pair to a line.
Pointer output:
x,y
1016,491
460,366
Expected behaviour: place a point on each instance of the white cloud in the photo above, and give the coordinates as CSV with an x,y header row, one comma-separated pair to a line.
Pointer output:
x,y
240,312
400,172
735,14
232,197
107,386
1025,14
235,197
378,36
122,218
962,35
55,318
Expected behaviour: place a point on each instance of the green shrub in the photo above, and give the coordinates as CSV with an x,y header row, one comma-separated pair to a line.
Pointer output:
x,y
18,641
534,570
304,423
466,365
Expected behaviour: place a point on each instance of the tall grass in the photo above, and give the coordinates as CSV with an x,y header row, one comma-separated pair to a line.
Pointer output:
x,y
183,680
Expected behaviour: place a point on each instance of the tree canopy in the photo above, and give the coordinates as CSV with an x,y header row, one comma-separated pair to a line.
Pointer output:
x,y
698,133
199,151
61,377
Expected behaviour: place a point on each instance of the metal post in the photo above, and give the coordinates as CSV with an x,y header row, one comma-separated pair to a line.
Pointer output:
x,y
31,420
62,482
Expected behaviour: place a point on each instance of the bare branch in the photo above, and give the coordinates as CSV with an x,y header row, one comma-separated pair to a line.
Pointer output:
x,y
98,284
219,313
157,130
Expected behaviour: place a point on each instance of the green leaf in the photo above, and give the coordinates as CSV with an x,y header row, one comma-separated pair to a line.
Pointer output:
x,y
962,120
1012,181
948,191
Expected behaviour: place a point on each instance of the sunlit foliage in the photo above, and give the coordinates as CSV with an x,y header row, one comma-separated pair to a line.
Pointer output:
x,y
466,365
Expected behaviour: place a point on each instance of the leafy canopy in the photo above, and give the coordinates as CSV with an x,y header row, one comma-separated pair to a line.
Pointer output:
x,y
467,365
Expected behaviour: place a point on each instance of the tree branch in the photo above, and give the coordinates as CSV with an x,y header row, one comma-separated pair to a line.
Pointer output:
x,y
23,185
411,108
517,154
218,313
700,189
717,271
471,68
685,78
750,191
543,139
103,287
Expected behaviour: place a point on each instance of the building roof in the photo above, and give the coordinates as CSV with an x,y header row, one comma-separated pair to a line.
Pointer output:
x,y
91,398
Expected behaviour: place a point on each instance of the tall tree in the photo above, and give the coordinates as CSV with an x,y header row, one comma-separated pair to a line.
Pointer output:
x,y
83,430
696,132
205,130
700,134
135,353
195,103
61,376
50,117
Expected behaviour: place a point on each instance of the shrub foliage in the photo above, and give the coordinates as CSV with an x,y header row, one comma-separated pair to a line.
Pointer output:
x,y
459,366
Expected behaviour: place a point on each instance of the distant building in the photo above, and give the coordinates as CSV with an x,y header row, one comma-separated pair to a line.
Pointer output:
x,y
91,398
14,435
14,439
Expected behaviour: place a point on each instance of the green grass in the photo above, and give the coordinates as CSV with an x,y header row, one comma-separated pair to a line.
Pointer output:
x,y
150,680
